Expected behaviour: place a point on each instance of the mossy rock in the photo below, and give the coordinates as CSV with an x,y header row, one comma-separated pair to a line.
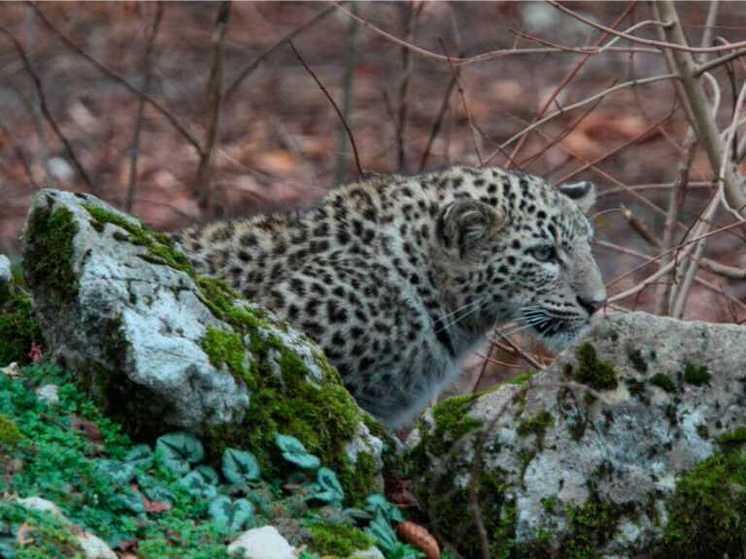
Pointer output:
x,y
629,445
19,328
161,348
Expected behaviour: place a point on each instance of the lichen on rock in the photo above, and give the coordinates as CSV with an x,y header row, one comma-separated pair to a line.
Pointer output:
x,y
629,444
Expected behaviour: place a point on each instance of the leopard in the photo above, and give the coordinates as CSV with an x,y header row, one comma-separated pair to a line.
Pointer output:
x,y
399,278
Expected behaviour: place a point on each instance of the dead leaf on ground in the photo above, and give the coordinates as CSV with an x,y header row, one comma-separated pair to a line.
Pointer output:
x,y
419,537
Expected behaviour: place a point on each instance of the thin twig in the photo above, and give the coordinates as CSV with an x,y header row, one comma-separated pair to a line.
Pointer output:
x,y
334,105
412,12
675,202
589,164
569,77
707,263
474,133
483,57
47,113
667,24
202,186
111,74
249,69
712,64
591,99
437,125
347,82
524,164
135,147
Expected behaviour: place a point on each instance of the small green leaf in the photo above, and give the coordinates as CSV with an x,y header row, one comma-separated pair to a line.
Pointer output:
x,y
177,451
383,533
376,503
327,488
294,451
230,516
240,467
120,473
139,456
8,547
154,489
128,499
199,485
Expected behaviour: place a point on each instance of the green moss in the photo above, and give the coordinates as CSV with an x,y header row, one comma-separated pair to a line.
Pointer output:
x,y
161,249
549,504
597,374
537,425
322,415
590,526
663,382
49,253
635,357
732,439
707,512
10,434
226,348
522,378
338,539
696,374
18,327
452,422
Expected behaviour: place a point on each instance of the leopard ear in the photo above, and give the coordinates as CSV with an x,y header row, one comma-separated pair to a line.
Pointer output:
x,y
583,193
465,225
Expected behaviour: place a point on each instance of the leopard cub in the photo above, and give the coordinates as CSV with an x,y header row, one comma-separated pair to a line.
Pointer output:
x,y
398,278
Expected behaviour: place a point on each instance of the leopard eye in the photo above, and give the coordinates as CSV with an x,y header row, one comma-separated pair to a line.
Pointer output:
x,y
544,253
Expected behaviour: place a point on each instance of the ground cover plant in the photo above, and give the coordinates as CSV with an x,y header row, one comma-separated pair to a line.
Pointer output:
x,y
160,500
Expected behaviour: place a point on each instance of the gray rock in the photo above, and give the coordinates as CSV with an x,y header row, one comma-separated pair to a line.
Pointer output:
x,y
163,349
49,394
5,274
574,456
120,319
93,547
261,543
372,553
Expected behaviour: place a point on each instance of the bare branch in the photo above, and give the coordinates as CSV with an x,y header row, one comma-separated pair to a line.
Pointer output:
x,y
591,99
202,185
569,77
249,69
47,113
343,152
438,123
712,64
667,24
111,74
484,57
336,108
135,147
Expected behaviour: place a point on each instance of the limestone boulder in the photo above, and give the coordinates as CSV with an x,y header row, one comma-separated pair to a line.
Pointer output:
x,y
629,445
163,349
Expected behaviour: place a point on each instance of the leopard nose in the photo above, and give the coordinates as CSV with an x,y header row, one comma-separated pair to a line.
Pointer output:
x,y
591,305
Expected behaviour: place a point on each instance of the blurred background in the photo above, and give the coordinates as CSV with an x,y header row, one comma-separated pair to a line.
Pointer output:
x,y
185,112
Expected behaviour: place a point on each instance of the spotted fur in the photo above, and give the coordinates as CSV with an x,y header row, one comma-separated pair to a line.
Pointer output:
x,y
398,278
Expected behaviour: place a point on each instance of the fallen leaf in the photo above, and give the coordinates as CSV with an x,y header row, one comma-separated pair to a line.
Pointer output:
x,y
24,534
420,538
155,507
87,428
